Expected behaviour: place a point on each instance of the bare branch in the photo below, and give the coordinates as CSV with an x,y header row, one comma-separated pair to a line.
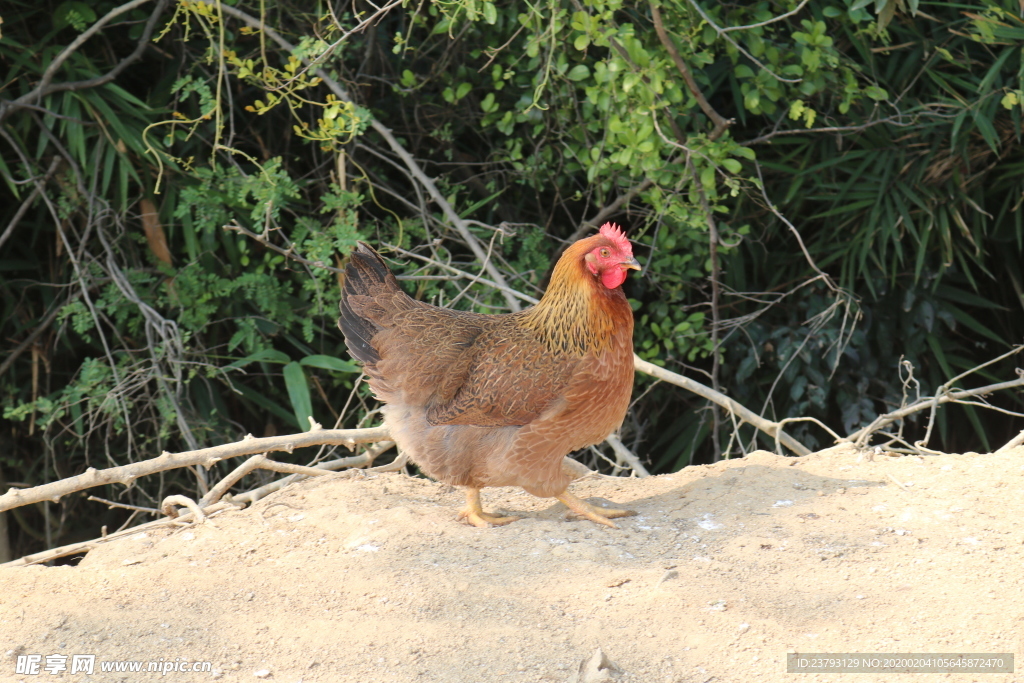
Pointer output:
x,y
1013,443
597,219
894,120
770,428
126,474
167,507
124,506
627,456
85,546
796,233
945,394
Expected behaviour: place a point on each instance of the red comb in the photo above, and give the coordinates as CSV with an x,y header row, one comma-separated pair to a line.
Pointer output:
x,y
613,232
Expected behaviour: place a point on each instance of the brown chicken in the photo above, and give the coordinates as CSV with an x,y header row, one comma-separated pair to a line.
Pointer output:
x,y
497,400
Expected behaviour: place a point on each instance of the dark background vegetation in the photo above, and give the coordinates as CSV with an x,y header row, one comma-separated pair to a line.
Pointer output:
x,y
886,134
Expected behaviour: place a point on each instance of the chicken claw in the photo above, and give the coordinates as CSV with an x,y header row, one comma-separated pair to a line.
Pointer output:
x,y
591,512
475,515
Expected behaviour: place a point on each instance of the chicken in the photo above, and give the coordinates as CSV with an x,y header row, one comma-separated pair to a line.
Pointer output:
x,y
497,400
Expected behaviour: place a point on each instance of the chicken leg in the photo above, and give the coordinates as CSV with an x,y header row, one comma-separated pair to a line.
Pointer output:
x,y
475,515
591,512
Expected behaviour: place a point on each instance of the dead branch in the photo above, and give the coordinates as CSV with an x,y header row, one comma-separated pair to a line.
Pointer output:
x,y
627,456
85,546
897,120
124,506
167,507
289,253
945,394
770,428
127,474
1013,443
261,461
364,460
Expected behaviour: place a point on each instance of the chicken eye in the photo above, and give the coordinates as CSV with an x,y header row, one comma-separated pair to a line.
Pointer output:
x,y
605,253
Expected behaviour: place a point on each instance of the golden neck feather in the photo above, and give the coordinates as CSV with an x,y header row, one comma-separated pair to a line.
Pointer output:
x,y
578,314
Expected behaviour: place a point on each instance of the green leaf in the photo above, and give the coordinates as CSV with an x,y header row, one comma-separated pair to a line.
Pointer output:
x,y
263,356
876,93
298,394
265,403
707,177
578,73
972,323
490,13
330,363
745,152
78,15
987,130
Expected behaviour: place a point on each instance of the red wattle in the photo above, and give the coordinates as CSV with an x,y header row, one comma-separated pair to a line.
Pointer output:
x,y
613,277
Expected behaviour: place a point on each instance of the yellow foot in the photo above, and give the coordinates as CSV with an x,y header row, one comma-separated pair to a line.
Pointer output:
x,y
474,514
484,520
592,512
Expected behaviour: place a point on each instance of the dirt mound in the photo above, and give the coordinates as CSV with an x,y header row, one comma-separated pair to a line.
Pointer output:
x,y
725,569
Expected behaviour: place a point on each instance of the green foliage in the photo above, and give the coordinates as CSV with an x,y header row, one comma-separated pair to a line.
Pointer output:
x,y
886,131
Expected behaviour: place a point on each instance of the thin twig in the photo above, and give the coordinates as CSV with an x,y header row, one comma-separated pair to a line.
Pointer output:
x,y
944,395
768,21
897,482
25,205
796,233
126,506
43,325
720,31
426,259
357,461
786,421
894,120
721,123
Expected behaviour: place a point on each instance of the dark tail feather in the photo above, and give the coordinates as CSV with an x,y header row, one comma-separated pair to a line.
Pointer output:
x,y
365,275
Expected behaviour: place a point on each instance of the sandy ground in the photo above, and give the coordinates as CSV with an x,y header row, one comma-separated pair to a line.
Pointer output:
x,y
725,569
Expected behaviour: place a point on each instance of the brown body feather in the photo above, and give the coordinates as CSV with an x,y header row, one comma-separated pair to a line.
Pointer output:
x,y
494,400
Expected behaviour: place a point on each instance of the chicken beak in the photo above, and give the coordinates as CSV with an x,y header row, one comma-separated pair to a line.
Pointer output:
x,y
631,264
